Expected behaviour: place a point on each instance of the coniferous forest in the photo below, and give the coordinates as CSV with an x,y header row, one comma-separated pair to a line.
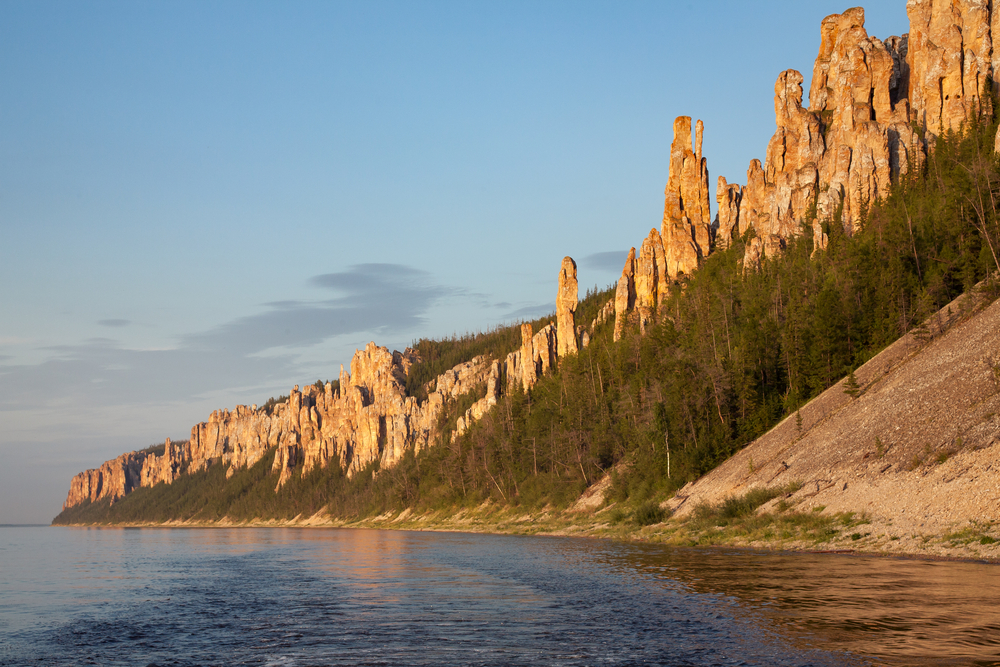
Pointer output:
x,y
732,353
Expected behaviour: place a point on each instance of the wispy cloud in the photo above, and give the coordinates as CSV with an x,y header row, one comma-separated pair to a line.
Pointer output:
x,y
13,340
531,312
386,299
605,261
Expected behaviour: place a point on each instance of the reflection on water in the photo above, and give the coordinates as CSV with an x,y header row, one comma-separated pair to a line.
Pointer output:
x,y
346,597
899,611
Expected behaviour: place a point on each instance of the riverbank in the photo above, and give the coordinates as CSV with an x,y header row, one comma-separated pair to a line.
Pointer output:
x,y
900,458
777,530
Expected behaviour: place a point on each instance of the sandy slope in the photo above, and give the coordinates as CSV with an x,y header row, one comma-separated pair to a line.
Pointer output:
x,y
918,451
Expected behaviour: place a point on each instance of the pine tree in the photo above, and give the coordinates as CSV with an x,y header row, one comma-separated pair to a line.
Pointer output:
x,y
851,386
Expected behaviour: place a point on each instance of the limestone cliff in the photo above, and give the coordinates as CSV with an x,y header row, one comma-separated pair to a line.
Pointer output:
x,y
566,302
875,107
369,417
951,57
686,226
625,294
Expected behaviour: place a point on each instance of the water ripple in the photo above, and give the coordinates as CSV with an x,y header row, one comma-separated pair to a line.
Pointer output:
x,y
181,598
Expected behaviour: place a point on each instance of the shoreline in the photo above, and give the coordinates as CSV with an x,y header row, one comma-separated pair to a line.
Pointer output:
x,y
744,534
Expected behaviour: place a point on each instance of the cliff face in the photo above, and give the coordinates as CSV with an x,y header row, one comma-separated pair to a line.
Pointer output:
x,y
843,152
875,107
368,418
840,153
950,60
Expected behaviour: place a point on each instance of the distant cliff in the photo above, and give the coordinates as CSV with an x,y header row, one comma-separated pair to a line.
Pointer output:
x,y
367,417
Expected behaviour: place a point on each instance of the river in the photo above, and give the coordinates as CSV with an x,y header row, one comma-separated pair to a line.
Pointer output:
x,y
285,596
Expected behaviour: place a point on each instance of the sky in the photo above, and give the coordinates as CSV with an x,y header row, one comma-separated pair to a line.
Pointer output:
x,y
205,203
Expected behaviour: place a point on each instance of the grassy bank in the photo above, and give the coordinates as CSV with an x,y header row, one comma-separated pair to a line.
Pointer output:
x,y
761,519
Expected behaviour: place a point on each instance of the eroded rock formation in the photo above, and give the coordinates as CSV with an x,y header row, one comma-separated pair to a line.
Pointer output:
x,y
686,227
625,294
651,280
829,161
526,362
566,301
728,198
366,417
841,155
951,57
112,480
369,418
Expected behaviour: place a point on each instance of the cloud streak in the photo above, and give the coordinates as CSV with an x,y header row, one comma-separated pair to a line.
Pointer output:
x,y
531,312
384,299
606,261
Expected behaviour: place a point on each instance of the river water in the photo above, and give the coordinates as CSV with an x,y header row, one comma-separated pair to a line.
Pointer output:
x,y
184,597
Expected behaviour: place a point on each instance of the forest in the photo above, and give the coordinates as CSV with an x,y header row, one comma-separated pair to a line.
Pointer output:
x,y
733,350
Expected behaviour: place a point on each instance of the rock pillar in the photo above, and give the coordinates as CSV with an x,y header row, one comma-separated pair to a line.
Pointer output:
x,y
625,294
566,301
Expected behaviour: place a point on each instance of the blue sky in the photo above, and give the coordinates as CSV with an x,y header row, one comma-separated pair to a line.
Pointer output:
x,y
202,204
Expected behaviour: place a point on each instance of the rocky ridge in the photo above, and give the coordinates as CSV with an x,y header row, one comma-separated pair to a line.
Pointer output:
x,y
367,417
875,108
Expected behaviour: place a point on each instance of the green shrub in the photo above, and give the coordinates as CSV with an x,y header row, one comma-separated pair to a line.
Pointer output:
x,y
737,506
649,513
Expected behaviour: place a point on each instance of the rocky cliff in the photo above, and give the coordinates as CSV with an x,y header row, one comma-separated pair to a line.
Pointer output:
x,y
368,416
875,107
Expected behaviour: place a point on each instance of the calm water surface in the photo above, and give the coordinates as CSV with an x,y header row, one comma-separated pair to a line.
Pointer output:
x,y
356,597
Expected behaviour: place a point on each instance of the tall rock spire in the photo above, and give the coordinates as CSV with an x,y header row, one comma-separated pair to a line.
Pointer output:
x,y
686,227
566,300
625,294
728,219
650,278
